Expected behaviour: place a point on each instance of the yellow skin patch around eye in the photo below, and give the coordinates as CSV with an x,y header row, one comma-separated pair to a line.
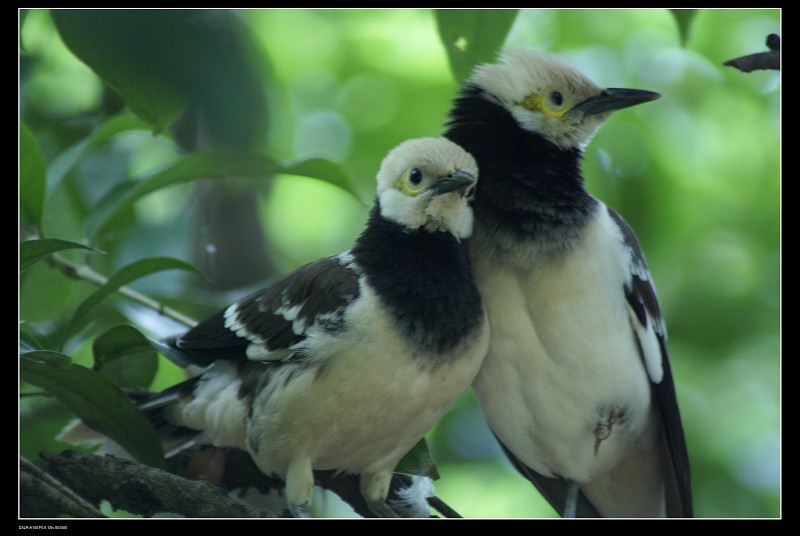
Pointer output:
x,y
405,186
537,103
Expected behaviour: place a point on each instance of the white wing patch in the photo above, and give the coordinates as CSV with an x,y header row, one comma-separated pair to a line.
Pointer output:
x,y
234,323
257,349
643,310
279,322
289,313
347,260
651,350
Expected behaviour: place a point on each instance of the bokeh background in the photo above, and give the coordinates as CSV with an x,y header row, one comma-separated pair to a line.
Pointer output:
x,y
697,174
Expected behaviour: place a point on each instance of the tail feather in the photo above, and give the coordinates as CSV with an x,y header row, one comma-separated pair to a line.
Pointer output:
x,y
174,438
411,498
150,401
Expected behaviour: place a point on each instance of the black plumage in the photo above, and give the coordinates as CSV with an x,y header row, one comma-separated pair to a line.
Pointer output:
x,y
424,278
318,289
535,187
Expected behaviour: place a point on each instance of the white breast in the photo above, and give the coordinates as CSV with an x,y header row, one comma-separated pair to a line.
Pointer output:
x,y
370,404
562,356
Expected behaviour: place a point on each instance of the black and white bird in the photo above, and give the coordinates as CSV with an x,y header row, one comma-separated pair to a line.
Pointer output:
x,y
348,361
577,384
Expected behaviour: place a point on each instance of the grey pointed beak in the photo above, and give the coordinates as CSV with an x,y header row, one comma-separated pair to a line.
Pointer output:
x,y
458,181
614,99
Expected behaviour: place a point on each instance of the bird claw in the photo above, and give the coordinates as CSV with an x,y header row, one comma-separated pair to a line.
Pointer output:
x,y
381,509
571,502
300,510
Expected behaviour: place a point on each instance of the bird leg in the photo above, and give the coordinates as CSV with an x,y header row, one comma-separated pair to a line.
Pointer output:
x,y
603,429
381,509
299,487
571,502
300,510
375,489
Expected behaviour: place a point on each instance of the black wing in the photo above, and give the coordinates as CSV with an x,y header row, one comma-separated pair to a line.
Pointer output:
x,y
552,489
272,323
648,325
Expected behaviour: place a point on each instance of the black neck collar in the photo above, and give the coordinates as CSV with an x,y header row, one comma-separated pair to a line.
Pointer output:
x,y
425,280
528,186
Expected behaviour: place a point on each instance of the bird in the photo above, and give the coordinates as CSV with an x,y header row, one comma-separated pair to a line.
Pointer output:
x,y
577,385
349,360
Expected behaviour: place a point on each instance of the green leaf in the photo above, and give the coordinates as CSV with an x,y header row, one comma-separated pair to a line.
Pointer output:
x,y
209,164
23,14
418,461
684,17
164,61
66,160
27,342
98,219
32,177
321,169
33,251
121,56
122,277
38,394
125,356
47,357
96,401
473,36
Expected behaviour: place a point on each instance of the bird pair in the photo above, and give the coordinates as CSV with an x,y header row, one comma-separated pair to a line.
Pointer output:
x,y
348,361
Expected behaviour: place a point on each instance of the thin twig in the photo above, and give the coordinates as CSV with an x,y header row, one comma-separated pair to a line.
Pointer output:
x,y
86,273
443,508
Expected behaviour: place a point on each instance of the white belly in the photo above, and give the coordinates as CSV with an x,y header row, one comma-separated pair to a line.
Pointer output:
x,y
360,406
368,408
563,385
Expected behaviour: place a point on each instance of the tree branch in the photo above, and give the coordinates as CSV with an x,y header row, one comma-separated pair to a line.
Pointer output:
x,y
147,491
41,495
443,508
86,273
140,489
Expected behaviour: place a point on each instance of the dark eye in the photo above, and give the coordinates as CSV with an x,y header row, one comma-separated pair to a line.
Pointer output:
x,y
469,193
556,98
415,177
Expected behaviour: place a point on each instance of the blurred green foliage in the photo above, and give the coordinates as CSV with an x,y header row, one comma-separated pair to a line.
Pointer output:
x,y
697,174
470,37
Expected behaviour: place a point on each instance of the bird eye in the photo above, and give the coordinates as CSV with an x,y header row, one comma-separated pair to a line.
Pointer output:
x,y
556,98
469,193
415,177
